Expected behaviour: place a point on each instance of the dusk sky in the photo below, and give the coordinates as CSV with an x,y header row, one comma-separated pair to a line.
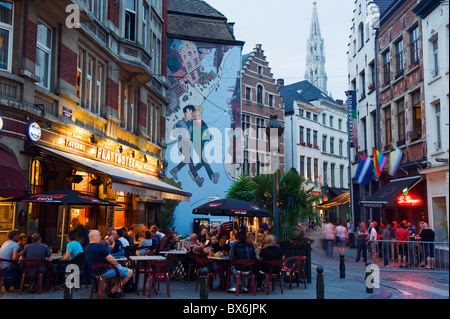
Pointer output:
x,y
282,27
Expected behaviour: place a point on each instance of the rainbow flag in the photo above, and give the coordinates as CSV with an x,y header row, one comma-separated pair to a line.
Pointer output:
x,y
379,160
307,182
317,182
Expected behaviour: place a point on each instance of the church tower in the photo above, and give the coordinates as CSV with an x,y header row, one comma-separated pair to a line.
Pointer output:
x,y
315,57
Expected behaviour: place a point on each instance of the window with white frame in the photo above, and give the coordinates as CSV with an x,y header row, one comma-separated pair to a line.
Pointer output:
x,y
145,11
98,89
96,7
80,62
150,125
44,54
437,110
130,20
435,63
89,71
6,35
415,45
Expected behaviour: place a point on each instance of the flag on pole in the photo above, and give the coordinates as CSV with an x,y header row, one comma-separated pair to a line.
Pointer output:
x,y
364,171
307,182
379,162
395,159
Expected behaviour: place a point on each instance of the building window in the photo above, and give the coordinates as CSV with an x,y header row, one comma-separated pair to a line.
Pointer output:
x,y
387,121
315,138
131,112
316,168
308,115
130,20
315,118
363,84
80,76
248,92
387,67
96,7
324,143
401,121
399,58
44,54
361,34
259,95
332,171
435,65
145,11
331,121
308,168
123,107
270,100
340,124
341,175
246,165
98,89
341,147
417,112
325,173
6,35
89,84
150,125
308,136
437,110
331,145
260,129
324,119
302,134
302,166
156,125
415,49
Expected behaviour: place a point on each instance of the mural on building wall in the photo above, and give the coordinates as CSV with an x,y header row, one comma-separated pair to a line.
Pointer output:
x,y
203,111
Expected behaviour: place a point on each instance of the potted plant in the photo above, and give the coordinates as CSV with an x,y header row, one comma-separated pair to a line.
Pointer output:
x,y
414,135
302,143
372,86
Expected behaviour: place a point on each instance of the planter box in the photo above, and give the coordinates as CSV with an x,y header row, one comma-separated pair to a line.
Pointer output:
x,y
291,250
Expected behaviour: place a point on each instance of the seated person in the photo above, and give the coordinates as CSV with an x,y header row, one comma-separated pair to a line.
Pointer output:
x,y
36,250
113,243
9,251
242,250
201,238
269,252
146,242
167,242
156,239
23,241
73,247
192,249
220,246
96,253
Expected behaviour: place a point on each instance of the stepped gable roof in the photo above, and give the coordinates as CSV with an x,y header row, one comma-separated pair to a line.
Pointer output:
x,y
384,5
302,91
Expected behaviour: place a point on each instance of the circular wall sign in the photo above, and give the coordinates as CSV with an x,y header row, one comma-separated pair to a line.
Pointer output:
x,y
1,123
34,131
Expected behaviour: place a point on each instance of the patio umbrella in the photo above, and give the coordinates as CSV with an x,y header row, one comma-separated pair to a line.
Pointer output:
x,y
231,207
65,197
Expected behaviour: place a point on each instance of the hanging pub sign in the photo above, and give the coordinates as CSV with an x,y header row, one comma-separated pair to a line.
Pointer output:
x,y
34,132
408,200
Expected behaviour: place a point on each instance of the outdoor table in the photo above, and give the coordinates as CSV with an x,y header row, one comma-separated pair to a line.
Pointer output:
x,y
56,259
137,265
121,260
177,256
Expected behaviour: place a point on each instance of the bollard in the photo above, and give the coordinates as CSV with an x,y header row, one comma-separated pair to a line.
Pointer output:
x,y
68,292
320,286
342,267
369,288
204,283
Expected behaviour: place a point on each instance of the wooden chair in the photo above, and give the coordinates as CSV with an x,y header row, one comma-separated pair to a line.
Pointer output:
x,y
157,271
273,273
246,272
98,270
295,265
31,270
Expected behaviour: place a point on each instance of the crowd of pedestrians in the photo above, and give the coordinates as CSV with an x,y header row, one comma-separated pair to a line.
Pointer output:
x,y
404,242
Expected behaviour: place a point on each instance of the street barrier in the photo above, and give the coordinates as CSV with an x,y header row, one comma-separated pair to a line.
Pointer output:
x,y
414,256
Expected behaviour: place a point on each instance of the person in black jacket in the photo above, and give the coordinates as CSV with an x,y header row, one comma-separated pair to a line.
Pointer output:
x,y
269,252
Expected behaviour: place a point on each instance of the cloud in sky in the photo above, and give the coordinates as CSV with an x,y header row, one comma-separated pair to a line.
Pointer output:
x,y
282,27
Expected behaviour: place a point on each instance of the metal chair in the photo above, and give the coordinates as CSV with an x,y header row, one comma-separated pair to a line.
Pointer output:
x,y
157,271
245,272
31,270
98,270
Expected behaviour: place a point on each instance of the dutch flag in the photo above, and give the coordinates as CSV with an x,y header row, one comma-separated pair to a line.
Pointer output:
x,y
364,171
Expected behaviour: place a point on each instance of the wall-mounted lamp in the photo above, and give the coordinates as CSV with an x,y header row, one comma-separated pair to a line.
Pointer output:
x,y
92,139
120,149
133,154
145,159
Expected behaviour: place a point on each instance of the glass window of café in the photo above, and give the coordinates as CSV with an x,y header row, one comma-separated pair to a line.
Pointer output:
x,y
122,213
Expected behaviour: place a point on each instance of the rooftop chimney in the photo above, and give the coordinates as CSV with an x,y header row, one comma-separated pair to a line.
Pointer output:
x,y
280,82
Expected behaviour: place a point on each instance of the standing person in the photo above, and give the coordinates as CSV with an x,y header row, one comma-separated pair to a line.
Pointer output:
x,y
351,233
386,236
373,236
82,233
9,251
342,236
393,230
427,235
362,241
97,253
402,236
242,250
330,237
411,246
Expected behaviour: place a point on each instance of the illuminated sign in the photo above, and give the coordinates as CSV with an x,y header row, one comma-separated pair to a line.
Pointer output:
x,y
407,200
1,123
34,131
118,158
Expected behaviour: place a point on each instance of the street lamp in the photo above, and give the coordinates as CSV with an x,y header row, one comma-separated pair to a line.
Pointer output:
x,y
274,131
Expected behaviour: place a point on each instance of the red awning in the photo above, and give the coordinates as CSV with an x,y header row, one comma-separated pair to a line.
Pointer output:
x,y
12,181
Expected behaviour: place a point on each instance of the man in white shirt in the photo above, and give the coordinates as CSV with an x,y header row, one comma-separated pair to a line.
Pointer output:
x,y
9,251
373,236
